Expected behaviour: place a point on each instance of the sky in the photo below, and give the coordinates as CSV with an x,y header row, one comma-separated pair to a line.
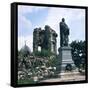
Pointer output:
x,y
31,17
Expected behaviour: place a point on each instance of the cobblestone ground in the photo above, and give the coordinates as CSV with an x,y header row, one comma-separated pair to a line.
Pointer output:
x,y
66,78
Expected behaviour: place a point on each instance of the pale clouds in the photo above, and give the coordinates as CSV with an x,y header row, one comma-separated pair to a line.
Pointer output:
x,y
22,9
23,24
75,19
56,14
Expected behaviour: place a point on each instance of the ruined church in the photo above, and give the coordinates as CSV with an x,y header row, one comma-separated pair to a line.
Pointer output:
x,y
45,39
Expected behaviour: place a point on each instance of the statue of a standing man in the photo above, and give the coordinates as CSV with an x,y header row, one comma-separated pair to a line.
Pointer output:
x,y
64,33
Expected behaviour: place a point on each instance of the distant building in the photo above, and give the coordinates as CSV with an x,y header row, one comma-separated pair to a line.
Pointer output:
x,y
45,39
25,50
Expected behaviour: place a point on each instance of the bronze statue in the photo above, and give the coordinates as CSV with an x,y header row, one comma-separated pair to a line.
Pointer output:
x,y
64,33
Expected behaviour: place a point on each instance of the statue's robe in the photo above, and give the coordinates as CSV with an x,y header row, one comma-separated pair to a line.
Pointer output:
x,y
64,32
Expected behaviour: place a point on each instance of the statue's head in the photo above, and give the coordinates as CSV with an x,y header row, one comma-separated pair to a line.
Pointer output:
x,y
63,20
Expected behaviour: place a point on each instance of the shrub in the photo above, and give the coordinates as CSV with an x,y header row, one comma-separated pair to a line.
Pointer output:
x,y
43,53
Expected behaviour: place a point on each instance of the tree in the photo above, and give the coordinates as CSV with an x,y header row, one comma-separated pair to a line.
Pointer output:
x,y
79,53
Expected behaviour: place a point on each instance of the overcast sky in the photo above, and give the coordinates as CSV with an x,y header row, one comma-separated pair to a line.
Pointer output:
x,y
30,17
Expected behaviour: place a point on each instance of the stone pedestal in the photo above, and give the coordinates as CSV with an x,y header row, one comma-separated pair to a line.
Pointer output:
x,y
66,61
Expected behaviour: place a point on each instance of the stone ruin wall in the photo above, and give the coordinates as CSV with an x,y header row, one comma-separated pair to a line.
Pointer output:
x,y
45,39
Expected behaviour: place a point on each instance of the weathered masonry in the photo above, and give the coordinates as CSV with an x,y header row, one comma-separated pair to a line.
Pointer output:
x,y
45,39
